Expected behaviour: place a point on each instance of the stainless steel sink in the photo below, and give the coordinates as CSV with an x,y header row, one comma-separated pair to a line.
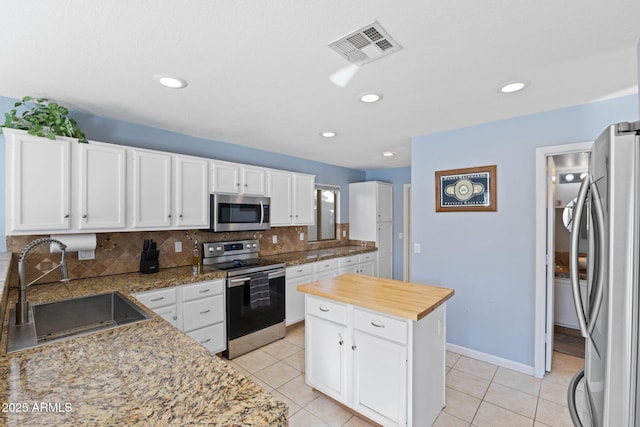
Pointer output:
x,y
54,321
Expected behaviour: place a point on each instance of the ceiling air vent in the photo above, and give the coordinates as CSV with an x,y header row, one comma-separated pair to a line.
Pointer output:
x,y
366,44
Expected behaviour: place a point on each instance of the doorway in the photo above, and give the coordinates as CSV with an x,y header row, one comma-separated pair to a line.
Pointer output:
x,y
546,249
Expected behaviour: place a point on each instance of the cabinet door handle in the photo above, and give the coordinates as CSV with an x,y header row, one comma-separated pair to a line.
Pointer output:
x,y
377,325
84,216
157,299
205,312
323,308
66,216
205,341
205,290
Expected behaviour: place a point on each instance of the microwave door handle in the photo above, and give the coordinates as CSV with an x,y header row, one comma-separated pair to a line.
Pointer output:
x,y
261,212
576,218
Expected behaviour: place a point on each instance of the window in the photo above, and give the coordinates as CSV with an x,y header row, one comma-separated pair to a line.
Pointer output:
x,y
326,207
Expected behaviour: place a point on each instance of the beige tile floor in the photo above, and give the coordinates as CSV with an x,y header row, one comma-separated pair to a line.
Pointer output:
x,y
478,394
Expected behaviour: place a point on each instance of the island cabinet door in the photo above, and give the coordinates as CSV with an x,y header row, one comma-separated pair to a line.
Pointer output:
x,y
380,379
325,364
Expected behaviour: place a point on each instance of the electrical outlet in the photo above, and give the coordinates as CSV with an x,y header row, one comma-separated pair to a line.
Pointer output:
x,y
344,233
88,254
301,236
400,236
178,247
274,239
416,248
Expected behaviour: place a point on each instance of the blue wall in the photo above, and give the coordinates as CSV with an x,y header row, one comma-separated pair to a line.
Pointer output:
x,y
134,135
489,257
398,177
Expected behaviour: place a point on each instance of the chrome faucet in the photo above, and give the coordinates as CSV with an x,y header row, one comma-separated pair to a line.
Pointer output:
x,y
22,306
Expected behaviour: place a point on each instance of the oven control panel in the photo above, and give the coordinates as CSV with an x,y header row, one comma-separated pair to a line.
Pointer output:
x,y
217,249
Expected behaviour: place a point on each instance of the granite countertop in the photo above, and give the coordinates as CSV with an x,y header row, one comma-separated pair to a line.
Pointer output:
x,y
403,299
303,257
146,374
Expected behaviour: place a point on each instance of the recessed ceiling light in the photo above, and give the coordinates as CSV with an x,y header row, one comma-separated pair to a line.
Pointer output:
x,y
171,81
328,134
512,87
388,154
370,97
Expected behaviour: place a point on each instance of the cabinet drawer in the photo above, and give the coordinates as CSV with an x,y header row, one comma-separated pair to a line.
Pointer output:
x,y
211,337
326,265
347,261
202,290
325,309
159,298
299,270
380,325
368,257
203,312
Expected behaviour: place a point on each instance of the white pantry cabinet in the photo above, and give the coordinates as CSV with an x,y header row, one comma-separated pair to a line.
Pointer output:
x,y
389,369
291,198
371,219
234,178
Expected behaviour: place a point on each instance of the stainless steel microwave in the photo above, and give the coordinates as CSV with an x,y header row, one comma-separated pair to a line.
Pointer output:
x,y
230,212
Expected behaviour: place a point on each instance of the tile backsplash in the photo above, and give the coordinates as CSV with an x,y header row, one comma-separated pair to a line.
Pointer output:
x,y
120,252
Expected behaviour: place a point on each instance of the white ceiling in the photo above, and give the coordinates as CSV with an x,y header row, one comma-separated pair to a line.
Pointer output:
x,y
258,71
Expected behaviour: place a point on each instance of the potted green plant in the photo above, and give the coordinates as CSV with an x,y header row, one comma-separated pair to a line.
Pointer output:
x,y
43,118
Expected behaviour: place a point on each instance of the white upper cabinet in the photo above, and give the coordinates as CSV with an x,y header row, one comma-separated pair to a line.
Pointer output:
x,y
191,192
101,186
151,189
384,202
234,178
38,183
291,198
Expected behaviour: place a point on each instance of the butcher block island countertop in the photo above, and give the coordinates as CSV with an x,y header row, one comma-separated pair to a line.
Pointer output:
x,y
403,299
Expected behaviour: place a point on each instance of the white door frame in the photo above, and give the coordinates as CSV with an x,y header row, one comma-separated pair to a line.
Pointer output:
x,y
541,247
406,232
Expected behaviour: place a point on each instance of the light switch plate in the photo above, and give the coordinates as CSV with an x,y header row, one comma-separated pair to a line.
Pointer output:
x,y
274,239
178,247
416,248
301,236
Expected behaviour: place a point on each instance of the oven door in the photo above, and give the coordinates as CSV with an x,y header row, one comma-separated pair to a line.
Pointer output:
x,y
239,213
254,301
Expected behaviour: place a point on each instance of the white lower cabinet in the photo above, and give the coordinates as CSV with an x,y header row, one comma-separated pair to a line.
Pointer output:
x,y
389,369
197,309
294,299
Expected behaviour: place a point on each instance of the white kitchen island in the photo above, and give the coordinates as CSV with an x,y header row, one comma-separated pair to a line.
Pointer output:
x,y
377,346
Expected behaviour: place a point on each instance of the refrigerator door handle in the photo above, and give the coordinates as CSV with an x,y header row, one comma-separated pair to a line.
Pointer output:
x,y
576,218
571,398
599,279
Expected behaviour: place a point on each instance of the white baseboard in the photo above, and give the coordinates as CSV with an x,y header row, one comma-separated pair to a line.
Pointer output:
x,y
490,358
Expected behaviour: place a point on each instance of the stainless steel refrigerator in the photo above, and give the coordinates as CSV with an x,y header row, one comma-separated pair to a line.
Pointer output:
x,y
605,393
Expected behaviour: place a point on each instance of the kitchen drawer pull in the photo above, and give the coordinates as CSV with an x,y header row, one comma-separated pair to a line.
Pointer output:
x,y
377,325
205,341
299,271
205,290
157,299
206,311
323,308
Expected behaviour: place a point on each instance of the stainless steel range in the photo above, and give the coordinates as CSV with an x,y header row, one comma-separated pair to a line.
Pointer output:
x,y
255,294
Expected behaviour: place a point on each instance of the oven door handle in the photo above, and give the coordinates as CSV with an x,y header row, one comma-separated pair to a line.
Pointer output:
x,y
238,282
276,274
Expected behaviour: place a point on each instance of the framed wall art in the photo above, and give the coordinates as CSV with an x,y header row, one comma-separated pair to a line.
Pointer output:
x,y
469,189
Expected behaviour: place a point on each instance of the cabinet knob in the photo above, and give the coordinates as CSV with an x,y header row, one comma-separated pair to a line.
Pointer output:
x,y
175,317
341,342
180,215
84,216
353,347
66,216
245,186
169,216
